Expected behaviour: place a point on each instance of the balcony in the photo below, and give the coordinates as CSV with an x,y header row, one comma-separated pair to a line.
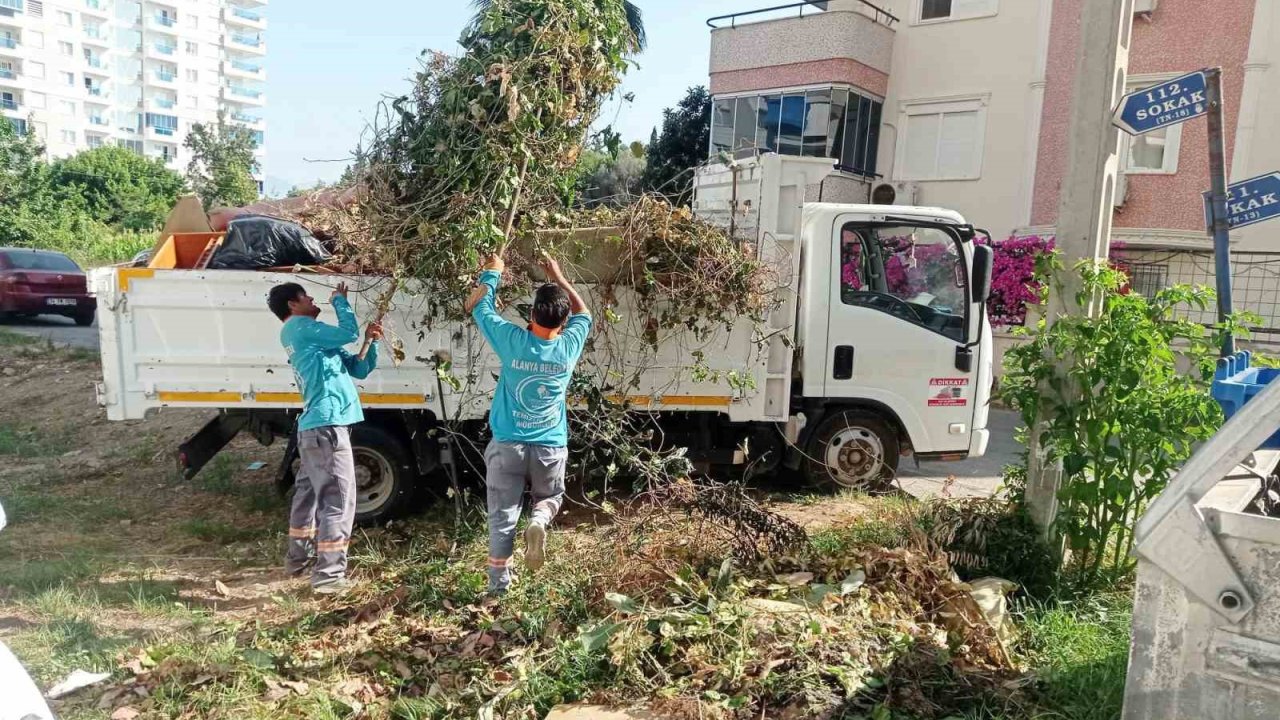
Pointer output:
x,y
19,125
246,43
10,105
96,91
243,69
96,36
11,5
8,73
850,43
97,8
165,21
99,121
165,49
163,76
236,16
245,118
164,103
97,65
162,24
8,44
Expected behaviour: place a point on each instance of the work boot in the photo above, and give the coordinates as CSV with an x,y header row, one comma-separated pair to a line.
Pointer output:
x,y
341,586
535,545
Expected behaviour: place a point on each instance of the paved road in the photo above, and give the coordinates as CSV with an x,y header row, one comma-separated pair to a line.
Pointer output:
x,y
58,329
972,478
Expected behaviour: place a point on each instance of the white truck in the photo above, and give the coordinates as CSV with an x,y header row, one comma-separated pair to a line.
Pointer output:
x,y
879,347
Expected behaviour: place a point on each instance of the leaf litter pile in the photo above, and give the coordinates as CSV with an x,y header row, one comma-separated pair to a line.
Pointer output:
x,y
675,624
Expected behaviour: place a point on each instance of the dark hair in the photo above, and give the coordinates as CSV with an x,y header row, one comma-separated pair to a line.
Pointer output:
x,y
550,306
280,297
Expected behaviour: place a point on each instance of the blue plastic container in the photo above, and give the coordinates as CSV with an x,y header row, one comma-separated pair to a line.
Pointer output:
x,y
1236,381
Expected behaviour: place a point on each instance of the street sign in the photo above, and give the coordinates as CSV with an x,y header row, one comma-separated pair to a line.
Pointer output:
x,y
1249,201
1167,103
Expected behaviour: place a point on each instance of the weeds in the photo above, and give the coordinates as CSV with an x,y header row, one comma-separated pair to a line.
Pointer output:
x,y
26,442
1081,650
215,531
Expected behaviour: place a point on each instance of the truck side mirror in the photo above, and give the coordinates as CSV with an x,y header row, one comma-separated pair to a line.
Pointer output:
x,y
983,256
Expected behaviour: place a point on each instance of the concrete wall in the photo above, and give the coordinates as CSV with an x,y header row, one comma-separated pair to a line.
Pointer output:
x,y
835,46
1001,58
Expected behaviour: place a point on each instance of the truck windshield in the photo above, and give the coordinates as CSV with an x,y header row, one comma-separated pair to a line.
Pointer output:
x,y
914,273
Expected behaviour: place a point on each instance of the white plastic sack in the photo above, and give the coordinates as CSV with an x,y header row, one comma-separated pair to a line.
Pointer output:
x,y
22,699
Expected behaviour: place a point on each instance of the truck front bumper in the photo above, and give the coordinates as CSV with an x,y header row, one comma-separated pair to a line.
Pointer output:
x,y
978,443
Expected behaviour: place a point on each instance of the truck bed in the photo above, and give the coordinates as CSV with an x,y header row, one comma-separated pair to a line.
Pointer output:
x,y
205,338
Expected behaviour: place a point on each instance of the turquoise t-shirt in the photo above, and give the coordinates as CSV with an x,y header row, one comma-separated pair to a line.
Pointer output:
x,y
323,369
529,403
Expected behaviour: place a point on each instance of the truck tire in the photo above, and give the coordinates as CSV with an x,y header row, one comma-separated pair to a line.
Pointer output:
x,y
385,474
852,449
84,319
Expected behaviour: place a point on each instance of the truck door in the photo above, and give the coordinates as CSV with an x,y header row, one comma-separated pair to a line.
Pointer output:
x,y
898,328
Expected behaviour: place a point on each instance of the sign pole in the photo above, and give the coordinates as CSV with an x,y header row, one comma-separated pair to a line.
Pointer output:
x,y
1218,201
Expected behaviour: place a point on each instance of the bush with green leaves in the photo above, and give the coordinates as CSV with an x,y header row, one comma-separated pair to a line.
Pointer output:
x,y
1119,398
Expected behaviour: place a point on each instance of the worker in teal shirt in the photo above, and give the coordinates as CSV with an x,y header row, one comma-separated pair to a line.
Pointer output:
x,y
529,416
324,500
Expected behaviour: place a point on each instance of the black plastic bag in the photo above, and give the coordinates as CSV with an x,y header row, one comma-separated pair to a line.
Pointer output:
x,y
258,241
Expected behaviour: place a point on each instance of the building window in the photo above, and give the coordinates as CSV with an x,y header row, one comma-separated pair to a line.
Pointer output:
x,y
193,48
832,122
193,76
941,140
67,107
1155,153
69,137
64,18
36,100
131,145
35,69
93,141
942,10
66,48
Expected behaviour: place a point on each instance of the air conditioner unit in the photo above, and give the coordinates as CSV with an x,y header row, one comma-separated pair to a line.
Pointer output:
x,y
1145,6
895,192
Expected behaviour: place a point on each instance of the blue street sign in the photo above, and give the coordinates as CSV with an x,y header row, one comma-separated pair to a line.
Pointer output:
x,y
1167,103
1249,202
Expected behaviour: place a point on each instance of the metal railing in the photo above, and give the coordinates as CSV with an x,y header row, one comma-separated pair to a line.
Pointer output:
x,y
242,39
95,91
165,20
249,119
6,104
244,92
166,77
8,42
165,103
93,33
99,120
246,67
166,49
882,16
95,63
8,74
246,14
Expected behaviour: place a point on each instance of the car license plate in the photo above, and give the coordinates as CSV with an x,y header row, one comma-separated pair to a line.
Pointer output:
x,y
61,301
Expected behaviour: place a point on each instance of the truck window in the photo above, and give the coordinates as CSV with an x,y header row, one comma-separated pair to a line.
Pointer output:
x,y
914,273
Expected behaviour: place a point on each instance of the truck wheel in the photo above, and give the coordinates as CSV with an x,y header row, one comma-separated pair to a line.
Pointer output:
x,y
852,449
84,319
384,475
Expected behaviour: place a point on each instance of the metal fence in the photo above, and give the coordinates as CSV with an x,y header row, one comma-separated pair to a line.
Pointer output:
x,y
1255,281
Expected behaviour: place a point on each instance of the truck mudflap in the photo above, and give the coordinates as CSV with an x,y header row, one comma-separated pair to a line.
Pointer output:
x,y
978,443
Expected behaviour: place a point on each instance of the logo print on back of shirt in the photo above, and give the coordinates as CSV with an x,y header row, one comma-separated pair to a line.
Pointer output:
x,y
538,398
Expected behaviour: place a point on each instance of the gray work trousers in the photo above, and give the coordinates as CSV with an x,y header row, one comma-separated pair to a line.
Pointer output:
x,y
507,466
324,504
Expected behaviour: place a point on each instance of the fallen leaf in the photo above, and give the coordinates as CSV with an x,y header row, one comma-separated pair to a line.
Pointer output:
x,y
297,686
222,589
796,579
420,653
403,669
203,679
125,713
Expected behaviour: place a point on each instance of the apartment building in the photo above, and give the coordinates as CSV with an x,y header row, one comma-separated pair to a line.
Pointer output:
x,y
965,104
88,73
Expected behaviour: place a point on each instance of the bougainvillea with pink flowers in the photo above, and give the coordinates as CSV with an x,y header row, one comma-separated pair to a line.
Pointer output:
x,y
1013,284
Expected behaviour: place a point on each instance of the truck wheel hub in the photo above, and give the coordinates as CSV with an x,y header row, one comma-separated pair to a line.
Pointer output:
x,y
374,480
855,455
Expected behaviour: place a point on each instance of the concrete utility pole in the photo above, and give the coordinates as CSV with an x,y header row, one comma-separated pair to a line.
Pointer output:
x,y
1088,192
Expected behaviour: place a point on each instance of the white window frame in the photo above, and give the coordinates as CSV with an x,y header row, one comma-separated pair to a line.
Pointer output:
x,y
1172,133
940,106
917,11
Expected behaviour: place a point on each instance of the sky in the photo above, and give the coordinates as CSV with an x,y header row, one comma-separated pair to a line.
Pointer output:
x,y
329,63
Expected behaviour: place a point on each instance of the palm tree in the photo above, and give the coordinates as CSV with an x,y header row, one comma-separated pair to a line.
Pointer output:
x,y
634,19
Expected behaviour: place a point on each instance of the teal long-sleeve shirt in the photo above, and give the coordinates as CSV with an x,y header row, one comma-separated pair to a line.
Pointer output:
x,y
323,369
529,402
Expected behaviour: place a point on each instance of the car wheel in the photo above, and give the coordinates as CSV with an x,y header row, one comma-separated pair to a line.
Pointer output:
x,y
84,319
852,449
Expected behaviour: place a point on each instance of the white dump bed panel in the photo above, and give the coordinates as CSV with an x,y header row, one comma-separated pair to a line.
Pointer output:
x,y
205,338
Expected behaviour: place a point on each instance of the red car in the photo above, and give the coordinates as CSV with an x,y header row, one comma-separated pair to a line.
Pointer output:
x,y
43,282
